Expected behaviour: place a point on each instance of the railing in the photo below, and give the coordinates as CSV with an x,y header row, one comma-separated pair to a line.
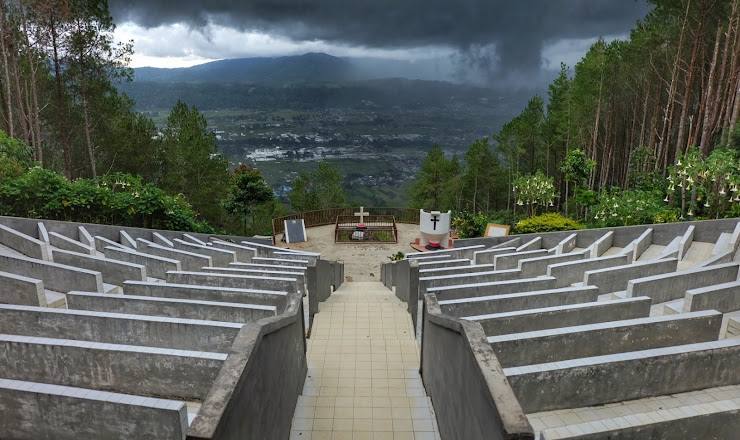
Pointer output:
x,y
378,228
329,216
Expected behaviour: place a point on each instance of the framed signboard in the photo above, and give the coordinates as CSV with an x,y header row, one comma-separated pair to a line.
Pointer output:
x,y
295,231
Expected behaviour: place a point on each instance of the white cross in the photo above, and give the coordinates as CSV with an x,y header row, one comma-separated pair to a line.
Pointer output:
x,y
361,214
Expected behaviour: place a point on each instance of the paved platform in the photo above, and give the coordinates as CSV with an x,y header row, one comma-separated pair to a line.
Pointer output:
x,y
363,371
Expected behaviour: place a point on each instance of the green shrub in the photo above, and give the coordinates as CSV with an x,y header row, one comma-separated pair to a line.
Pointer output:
x,y
470,225
626,208
546,223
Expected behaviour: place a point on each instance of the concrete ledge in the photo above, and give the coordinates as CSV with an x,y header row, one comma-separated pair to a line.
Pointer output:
x,y
685,243
471,396
486,256
161,240
641,243
601,245
614,279
426,256
243,253
43,234
511,260
188,260
283,261
283,284
220,257
17,289
55,276
85,237
299,275
721,258
562,344
573,271
65,243
442,263
263,250
101,243
672,250
466,252
156,266
667,287
442,271
114,271
23,243
126,240
735,240
724,298
269,267
208,293
533,244
110,367
192,239
285,255
116,328
519,301
427,282
533,267
613,378
566,245
562,316
473,290
169,307
27,403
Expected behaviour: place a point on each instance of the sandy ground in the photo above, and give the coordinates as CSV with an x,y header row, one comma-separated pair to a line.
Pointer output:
x,y
361,260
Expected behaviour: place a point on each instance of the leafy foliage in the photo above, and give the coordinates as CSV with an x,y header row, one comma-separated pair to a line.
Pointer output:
x,y
469,225
248,191
625,208
546,223
319,189
533,191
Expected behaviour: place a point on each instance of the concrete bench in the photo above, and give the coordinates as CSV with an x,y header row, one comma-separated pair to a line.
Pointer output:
x,y
101,243
273,267
625,376
560,344
110,367
562,316
573,271
17,289
243,253
25,404
169,307
65,243
113,271
219,257
156,266
283,283
436,264
533,267
300,274
284,255
279,261
487,256
208,293
667,287
442,271
117,328
25,244
422,256
511,260
57,277
466,252
615,279
188,260
473,290
519,301
723,297
426,282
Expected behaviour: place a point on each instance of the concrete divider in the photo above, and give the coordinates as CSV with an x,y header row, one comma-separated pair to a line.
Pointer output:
x,y
685,243
28,403
188,260
169,307
208,293
116,328
614,279
25,244
85,237
65,243
243,253
486,256
473,290
471,388
641,243
319,281
300,274
283,284
263,250
562,344
55,276
102,242
667,287
735,239
110,367
266,260
220,257
519,301
721,258
511,260
192,239
566,245
161,240
573,271
443,263
723,297
441,271
427,256
533,244
613,378
17,289
562,316
269,267
671,251
156,266
43,234
601,245
296,256
126,240
534,267
427,282
114,271
466,252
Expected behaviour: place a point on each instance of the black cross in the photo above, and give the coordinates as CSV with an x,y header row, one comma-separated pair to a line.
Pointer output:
x,y
435,219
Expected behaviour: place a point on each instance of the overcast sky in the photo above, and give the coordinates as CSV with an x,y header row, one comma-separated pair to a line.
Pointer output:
x,y
504,38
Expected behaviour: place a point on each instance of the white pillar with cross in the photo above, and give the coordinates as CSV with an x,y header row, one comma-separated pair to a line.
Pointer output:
x,y
434,227
362,215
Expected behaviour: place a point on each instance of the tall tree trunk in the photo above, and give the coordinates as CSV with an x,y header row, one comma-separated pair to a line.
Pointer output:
x,y
688,94
63,129
90,149
709,99
4,35
35,110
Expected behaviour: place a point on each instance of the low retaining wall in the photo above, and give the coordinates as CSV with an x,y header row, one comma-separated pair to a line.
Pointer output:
x,y
220,257
156,266
17,289
188,260
724,298
662,288
23,243
283,284
55,276
474,290
113,271
574,271
615,279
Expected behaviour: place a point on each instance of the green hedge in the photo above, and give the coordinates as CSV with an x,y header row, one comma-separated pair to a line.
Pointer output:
x,y
546,223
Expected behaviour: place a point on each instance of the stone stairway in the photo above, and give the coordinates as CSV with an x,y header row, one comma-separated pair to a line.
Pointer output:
x,y
363,371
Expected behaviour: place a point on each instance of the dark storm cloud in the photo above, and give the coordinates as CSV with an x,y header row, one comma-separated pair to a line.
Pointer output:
x,y
517,29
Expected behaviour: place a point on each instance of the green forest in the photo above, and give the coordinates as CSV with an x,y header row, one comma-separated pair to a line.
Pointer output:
x,y
640,130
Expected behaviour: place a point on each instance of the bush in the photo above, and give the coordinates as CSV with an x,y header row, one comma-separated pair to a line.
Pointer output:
x,y
546,223
627,208
470,225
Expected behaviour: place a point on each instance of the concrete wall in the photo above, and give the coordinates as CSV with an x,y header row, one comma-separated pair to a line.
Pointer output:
x,y
562,344
220,257
55,276
156,266
169,307
283,284
563,316
534,267
724,298
443,263
487,256
17,289
255,394
511,260
519,301
243,253
473,290
97,415
114,328
626,376
662,288
188,260
471,396
272,267
427,282
62,242
101,243
443,271
23,243
573,271
299,275
208,293
319,281
109,367
601,245
113,271
615,279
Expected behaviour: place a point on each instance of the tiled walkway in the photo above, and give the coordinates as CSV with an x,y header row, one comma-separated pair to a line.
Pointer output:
x,y
363,371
